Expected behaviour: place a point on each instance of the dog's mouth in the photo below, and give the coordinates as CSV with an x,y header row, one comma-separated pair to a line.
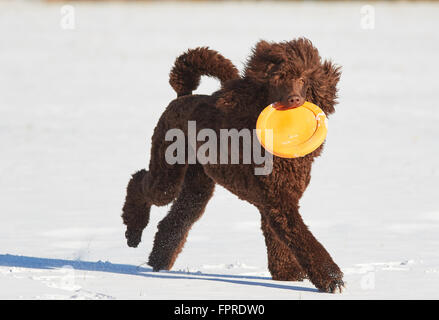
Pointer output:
x,y
281,107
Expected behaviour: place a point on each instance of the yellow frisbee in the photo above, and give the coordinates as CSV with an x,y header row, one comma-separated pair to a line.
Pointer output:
x,y
295,132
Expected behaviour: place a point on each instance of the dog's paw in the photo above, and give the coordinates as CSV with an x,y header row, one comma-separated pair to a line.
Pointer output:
x,y
329,281
336,285
133,237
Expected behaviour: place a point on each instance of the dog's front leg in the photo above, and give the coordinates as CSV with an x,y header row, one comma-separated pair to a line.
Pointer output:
x,y
282,263
312,257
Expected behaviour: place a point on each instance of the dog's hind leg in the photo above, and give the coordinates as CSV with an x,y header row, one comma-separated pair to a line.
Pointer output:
x,y
282,263
196,191
158,186
136,209
144,190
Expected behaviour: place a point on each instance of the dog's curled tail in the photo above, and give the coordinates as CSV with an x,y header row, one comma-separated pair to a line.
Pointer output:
x,y
194,63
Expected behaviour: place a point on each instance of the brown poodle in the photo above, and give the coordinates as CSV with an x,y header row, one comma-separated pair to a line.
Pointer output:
x,y
288,72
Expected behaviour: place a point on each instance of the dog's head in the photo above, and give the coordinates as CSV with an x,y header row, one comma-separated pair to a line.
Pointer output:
x,y
294,72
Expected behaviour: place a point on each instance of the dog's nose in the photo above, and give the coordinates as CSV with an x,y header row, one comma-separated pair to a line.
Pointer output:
x,y
295,101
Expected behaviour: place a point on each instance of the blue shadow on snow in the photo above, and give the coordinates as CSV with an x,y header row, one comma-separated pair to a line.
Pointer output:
x,y
8,260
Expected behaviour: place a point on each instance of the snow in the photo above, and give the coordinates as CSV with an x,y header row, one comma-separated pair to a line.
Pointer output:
x,y
78,108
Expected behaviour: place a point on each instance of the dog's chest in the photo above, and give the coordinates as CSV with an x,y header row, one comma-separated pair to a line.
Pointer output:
x,y
290,177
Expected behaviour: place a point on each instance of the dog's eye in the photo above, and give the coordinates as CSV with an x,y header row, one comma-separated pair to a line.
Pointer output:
x,y
301,81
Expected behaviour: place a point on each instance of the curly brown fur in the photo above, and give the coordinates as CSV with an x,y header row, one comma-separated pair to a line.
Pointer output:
x,y
190,66
136,209
288,72
282,264
196,191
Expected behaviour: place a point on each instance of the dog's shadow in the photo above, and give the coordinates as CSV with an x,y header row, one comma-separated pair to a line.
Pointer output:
x,y
8,260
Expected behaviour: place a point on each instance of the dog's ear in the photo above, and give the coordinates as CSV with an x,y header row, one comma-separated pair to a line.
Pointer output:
x,y
324,86
264,61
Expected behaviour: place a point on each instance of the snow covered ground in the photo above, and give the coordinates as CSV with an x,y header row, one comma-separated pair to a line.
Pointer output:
x,y
78,107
